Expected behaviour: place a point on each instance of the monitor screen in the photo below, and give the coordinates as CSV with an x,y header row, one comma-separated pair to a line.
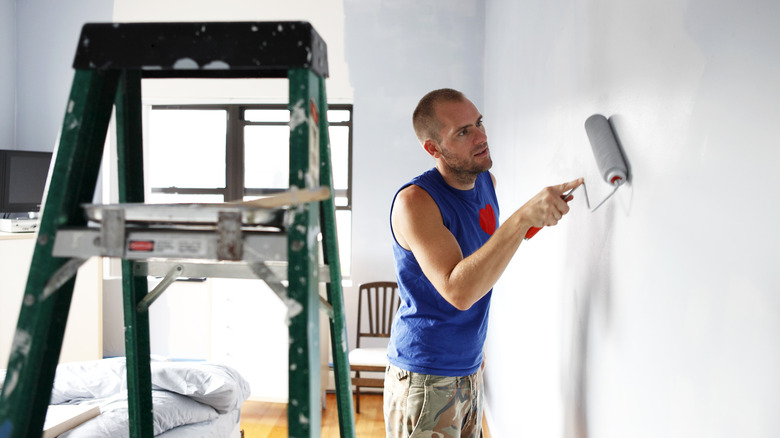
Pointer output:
x,y
24,180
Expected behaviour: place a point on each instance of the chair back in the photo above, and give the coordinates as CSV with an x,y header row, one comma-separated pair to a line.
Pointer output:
x,y
377,304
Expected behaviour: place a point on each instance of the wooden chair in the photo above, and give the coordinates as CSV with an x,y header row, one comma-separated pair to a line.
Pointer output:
x,y
377,304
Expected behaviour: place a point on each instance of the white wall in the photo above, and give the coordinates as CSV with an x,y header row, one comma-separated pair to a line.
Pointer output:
x,y
657,315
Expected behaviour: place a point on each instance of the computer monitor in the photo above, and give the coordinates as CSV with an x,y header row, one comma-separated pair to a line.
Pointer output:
x,y
22,180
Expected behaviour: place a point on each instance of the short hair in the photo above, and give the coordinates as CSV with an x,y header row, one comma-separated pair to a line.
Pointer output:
x,y
426,124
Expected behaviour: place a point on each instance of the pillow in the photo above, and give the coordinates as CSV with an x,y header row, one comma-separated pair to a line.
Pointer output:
x,y
75,382
218,386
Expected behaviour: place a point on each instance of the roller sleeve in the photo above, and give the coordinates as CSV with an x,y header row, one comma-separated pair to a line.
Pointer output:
x,y
609,159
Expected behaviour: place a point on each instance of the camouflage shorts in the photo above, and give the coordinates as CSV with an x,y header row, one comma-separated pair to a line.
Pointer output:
x,y
427,406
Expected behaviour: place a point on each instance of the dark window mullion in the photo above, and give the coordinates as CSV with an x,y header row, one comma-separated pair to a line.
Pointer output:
x,y
263,192
234,155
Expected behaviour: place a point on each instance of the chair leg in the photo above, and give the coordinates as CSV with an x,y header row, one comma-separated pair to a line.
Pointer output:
x,y
357,394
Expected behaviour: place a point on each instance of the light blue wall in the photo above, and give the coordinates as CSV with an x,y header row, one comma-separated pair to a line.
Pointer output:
x,y
47,32
659,314
7,72
397,51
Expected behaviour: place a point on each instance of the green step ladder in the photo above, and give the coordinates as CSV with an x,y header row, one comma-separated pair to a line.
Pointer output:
x,y
111,59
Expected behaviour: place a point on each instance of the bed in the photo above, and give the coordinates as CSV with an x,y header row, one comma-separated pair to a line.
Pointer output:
x,y
199,399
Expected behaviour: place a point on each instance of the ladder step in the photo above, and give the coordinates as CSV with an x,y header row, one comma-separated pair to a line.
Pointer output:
x,y
187,213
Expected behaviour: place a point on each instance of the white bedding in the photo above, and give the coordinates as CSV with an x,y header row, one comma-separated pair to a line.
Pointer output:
x,y
225,425
189,398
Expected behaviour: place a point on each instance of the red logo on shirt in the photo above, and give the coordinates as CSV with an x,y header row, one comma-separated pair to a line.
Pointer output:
x,y
487,219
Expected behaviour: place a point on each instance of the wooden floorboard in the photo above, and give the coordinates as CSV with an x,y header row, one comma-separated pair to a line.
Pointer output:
x,y
269,420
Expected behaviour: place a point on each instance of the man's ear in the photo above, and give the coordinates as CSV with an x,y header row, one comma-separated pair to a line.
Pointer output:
x,y
432,148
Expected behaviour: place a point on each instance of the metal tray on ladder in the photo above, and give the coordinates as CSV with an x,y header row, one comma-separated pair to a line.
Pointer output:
x,y
213,238
226,240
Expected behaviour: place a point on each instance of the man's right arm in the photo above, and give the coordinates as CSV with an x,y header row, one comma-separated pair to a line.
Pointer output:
x,y
418,227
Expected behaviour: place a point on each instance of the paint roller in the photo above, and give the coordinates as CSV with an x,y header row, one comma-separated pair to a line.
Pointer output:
x,y
606,150
609,159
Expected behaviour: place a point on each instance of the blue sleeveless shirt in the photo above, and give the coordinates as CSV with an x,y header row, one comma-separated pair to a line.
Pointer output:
x,y
429,335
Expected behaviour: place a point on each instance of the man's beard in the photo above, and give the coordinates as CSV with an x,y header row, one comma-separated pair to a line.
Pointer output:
x,y
466,170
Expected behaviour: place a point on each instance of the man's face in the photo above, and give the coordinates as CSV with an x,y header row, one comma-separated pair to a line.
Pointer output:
x,y
463,145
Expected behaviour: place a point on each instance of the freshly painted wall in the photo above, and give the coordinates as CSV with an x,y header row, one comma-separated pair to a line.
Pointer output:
x,y
659,314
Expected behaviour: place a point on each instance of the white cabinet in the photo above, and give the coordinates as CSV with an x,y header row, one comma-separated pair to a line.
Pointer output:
x,y
250,333
83,334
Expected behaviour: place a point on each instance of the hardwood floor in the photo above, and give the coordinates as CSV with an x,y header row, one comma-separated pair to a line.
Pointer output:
x,y
269,420
264,420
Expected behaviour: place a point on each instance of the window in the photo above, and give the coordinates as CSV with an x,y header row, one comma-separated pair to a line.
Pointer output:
x,y
218,153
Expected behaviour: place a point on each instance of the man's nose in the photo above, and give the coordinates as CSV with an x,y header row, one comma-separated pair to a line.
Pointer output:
x,y
481,136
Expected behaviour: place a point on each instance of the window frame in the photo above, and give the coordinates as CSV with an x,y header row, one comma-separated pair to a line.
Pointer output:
x,y
235,160
234,151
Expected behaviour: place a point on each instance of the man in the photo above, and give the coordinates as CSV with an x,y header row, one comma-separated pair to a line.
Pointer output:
x,y
449,252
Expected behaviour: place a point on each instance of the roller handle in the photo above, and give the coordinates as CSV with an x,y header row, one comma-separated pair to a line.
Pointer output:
x,y
533,230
